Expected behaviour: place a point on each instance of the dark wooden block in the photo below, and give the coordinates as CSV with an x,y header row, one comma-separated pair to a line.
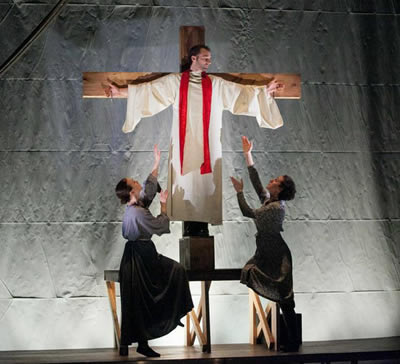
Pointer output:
x,y
282,331
197,253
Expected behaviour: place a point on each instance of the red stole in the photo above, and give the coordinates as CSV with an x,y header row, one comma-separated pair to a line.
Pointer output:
x,y
206,85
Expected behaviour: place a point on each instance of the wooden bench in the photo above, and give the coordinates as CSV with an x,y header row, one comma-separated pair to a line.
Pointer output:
x,y
202,314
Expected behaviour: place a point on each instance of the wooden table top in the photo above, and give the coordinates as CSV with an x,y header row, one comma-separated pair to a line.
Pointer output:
x,y
231,274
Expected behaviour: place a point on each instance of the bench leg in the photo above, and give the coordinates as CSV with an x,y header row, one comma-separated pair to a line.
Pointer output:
x,y
253,321
205,288
188,337
201,316
256,309
197,329
113,304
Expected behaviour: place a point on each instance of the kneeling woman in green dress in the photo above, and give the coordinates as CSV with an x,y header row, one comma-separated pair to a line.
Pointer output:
x,y
269,271
155,291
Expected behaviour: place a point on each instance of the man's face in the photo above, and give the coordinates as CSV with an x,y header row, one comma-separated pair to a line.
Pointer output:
x,y
201,61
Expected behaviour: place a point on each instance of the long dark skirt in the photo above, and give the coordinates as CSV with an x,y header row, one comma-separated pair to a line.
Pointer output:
x,y
155,293
269,271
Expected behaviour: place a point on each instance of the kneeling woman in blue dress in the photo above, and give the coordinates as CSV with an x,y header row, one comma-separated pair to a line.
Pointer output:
x,y
269,271
155,291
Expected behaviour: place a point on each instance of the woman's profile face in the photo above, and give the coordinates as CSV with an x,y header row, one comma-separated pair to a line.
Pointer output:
x,y
274,185
136,187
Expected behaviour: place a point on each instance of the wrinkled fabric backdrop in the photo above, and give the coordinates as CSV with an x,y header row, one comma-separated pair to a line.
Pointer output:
x,y
61,156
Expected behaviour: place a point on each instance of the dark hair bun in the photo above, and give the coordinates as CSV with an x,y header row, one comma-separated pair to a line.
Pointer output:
x,y
288,189
123,191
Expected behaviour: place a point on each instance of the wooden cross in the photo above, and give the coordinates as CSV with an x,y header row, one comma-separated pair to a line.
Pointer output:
x,y
95,83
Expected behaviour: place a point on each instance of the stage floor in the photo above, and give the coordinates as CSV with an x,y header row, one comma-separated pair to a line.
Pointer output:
x,y
384,350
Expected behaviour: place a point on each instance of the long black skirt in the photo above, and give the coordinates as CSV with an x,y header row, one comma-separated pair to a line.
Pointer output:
x,y
155,293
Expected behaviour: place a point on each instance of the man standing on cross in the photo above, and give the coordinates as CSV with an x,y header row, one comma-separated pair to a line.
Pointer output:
x,y
195,154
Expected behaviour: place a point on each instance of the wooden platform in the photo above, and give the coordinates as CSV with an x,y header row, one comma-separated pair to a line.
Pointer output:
x,y
387,349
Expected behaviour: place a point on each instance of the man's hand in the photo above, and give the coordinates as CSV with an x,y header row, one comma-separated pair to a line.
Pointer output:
x,y
237,185
274,86
247,145
111,89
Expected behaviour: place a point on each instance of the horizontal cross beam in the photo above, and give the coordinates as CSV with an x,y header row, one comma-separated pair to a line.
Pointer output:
x,y
95,83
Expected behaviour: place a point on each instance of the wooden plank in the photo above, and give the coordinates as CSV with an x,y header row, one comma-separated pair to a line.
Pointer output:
x,y
113,304
190,36
291,81
95,83
310,352
205,288
215,275
188,341
252,319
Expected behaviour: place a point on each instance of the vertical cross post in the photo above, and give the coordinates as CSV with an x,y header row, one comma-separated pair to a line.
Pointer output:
x,y
189,37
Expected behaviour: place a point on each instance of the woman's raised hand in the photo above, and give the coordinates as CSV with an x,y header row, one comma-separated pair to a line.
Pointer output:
x,y
133,200
163,196
157,157
157,154
247,145
237,185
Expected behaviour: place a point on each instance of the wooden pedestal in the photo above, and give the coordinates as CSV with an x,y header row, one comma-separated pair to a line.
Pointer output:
x,y
197,253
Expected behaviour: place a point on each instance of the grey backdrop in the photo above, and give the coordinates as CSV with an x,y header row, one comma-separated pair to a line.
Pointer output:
x,y
61,156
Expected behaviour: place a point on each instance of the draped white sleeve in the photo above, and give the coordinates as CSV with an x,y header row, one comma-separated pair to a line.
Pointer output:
x,y
148,99
251,101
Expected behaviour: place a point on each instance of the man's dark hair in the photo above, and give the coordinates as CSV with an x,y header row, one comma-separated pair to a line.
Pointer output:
x,y
288,189
123,191
193,52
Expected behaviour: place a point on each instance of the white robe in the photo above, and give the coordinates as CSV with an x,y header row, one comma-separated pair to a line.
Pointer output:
x,y
194,196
